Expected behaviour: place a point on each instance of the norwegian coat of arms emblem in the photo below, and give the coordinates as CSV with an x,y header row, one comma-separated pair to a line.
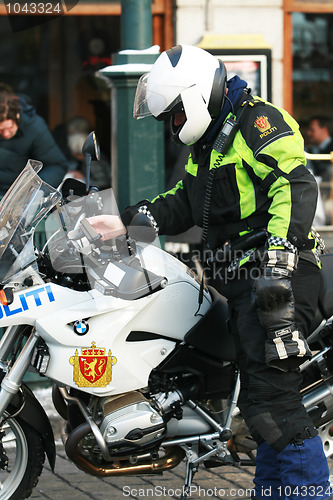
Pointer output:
x,y
93,368
262,123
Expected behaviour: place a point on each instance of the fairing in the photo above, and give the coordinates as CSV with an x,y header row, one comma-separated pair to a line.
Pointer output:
x,y
87,330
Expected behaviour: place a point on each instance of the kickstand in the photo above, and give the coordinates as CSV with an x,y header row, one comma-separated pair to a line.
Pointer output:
x,y
189,475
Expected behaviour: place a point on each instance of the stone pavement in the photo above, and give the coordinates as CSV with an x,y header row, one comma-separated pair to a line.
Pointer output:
x,y
69,483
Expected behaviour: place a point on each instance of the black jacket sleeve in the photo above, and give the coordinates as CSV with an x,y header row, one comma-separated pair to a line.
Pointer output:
x,y
277,146
171,210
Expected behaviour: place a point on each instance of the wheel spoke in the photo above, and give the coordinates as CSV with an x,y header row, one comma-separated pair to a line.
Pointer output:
x,y
9,437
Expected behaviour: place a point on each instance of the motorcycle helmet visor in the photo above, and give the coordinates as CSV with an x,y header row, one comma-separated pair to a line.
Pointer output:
x,y
149,101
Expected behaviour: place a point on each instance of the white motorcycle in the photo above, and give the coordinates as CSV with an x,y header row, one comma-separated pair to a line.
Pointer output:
x,y
142,379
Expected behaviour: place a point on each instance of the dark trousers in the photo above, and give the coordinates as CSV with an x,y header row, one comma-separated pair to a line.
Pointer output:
x,y
270,401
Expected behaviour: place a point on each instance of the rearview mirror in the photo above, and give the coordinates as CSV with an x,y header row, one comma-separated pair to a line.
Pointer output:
x,y
90,151
91,147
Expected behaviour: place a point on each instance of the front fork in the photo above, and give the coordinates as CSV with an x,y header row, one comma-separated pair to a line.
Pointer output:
x,y
12,380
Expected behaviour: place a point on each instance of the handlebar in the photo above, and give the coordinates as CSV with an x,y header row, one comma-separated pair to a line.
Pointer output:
x,y
85,230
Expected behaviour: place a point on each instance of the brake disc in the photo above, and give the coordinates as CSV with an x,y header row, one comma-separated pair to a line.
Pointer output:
x,y
3,456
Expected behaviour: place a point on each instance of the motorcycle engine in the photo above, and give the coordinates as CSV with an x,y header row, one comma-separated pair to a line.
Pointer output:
x,y
130,424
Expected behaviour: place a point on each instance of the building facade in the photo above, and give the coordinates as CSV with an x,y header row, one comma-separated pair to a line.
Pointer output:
x,y
54,62
299,34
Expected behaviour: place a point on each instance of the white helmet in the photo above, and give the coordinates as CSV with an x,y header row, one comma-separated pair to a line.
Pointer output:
x,y
183,78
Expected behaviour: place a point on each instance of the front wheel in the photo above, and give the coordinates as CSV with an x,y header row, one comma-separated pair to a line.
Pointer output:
x,y
21,459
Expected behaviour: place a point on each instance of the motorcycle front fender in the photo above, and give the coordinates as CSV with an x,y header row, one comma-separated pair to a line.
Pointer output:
x,y
34,414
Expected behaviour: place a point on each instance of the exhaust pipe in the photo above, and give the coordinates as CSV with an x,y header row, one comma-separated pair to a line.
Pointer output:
x,y
319,402
174,455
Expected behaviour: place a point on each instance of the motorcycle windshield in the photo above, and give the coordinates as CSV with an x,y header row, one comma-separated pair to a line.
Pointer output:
x,y
106,266
72,256
26,202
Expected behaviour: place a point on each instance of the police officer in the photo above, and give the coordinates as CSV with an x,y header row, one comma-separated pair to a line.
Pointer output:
x,y
246,184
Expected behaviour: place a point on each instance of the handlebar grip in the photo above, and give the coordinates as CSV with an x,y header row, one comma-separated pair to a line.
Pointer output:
x,y
85,229
75,234
89,232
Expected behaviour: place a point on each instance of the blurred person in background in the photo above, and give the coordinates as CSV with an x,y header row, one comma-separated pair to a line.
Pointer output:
x,y
70,138
25,135
320,142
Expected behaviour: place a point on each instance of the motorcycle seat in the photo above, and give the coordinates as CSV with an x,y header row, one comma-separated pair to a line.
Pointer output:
x,y
211,334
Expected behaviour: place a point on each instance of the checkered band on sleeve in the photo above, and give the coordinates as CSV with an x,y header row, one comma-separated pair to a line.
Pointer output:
x,y
274,241
144,210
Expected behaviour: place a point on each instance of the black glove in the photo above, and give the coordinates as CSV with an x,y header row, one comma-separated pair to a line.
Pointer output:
x,y
143,226
285,348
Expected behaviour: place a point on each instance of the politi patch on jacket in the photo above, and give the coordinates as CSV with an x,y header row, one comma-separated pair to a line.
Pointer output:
x,y
263,126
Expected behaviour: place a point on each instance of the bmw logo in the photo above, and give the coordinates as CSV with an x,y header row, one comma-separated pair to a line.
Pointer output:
x,y
81,327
